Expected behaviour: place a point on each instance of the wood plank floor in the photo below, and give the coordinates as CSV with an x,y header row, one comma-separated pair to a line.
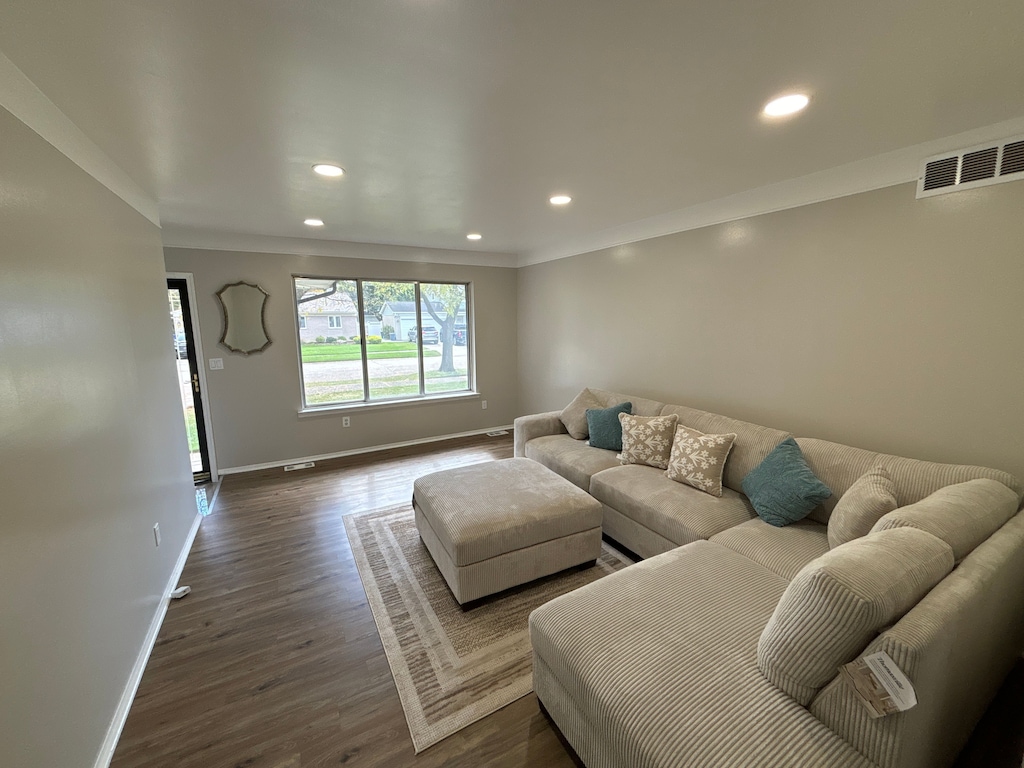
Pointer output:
x,y
274,660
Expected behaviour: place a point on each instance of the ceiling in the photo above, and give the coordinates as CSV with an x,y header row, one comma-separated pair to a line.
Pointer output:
x,y
453,116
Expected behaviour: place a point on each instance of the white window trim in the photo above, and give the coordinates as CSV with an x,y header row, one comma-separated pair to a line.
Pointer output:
x,y
379,405
423,398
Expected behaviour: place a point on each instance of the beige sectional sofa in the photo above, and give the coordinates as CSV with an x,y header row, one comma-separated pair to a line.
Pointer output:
x,y
723,646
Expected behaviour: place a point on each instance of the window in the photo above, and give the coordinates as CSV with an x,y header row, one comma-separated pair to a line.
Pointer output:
x,y
302,322
398,340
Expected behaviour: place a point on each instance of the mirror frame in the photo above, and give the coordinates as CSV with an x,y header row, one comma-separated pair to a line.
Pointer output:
x,y
263,318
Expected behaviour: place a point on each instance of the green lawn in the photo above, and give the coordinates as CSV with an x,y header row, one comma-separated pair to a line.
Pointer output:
x,y
331,353
192,430
384,386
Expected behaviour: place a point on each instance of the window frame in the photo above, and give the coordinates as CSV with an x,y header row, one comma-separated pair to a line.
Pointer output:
x,y
377,402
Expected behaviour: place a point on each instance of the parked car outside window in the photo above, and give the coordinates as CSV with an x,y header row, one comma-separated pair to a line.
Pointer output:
x,y
430,334
459,335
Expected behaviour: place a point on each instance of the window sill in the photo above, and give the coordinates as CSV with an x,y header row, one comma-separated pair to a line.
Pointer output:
x,y
334,410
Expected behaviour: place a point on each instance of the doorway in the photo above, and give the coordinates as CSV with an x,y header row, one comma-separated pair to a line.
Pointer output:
x,y
187,362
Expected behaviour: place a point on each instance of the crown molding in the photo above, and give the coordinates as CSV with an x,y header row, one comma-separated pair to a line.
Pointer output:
x,y
898,167
21,97
210,240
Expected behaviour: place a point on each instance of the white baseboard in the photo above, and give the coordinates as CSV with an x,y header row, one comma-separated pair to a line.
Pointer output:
x,y
356,451
106,753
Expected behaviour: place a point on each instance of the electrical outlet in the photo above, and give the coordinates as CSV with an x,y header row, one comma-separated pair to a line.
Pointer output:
x,y
156,534
483,405
346,421
216,363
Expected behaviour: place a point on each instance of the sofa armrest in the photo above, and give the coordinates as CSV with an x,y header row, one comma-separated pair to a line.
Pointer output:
x,y
539,424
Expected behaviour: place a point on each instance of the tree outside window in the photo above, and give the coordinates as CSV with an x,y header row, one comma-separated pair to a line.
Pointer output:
x,y
402,349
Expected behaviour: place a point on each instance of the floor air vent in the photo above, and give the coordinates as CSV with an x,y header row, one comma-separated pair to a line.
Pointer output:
x,y
980,166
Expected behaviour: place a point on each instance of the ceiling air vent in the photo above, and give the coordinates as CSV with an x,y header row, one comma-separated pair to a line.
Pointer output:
x,y
1013,158
979,166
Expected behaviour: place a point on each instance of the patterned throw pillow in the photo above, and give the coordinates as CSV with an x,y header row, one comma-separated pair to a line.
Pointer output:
x,y
698,459
647,439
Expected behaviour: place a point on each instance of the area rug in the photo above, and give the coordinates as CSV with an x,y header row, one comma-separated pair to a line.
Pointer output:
x,y
451,667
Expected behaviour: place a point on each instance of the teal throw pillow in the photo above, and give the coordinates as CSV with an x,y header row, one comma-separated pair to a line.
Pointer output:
x,y
605,427
782,488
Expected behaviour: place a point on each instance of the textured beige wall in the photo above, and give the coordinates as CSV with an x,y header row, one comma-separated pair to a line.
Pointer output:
x,y
877,320
92,451
255,400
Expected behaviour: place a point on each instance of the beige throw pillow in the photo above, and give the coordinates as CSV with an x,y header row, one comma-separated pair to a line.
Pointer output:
x,y
698,459
647,439
840,601
574,415
863,504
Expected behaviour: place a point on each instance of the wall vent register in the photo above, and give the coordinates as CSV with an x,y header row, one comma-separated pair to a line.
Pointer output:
x,y
992,163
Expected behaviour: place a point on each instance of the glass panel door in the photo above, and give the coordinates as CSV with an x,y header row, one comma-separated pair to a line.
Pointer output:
x,y
184,351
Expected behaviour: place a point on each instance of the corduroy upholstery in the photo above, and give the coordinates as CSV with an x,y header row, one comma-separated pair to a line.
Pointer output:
x,y
574,460
650,668
674,510
753,442
783,551
840,466
499,524
839,601
962,515
656,665
863,505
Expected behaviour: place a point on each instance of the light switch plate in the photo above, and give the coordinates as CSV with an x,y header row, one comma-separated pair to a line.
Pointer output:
x,y
216,363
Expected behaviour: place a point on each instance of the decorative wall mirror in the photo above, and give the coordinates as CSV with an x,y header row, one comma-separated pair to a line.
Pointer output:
x,y
245,328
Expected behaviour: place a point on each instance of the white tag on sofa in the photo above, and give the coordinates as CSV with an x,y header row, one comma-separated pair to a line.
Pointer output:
x,y
879,684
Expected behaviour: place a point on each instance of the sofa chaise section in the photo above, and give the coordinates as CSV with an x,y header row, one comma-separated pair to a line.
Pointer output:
x,y
656,665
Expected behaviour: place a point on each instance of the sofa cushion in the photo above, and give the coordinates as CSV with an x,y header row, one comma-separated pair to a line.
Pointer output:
x,y
837,604
572,459
698,459
574,415
962,515
839,466
604,426
782,488
678,512
783,551
753,442
872,496
647,439
661,657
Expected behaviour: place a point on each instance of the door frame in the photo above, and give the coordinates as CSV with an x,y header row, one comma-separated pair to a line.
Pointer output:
x,y
201,363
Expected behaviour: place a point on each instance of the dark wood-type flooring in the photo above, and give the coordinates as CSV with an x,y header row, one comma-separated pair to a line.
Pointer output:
x,y
274,660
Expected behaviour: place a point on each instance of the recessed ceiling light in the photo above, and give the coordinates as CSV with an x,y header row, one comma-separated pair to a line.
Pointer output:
x,y
326,169
560,200
474,236
786,105
313,222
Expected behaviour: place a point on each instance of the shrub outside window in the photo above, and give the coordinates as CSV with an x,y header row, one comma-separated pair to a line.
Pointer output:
x,y
364,341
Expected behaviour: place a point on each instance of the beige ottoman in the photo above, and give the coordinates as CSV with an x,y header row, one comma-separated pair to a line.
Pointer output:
x,y
503,523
